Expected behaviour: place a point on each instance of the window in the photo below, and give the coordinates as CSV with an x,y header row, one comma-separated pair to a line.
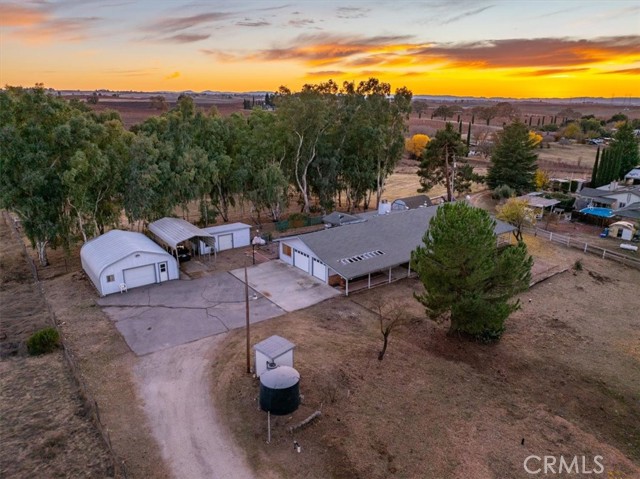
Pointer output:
x,y
286,249
621,205
163,267
111,278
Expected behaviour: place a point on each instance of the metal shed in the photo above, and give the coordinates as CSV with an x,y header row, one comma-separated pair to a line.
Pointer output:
x,y
173,231
273,351
120,260
228,236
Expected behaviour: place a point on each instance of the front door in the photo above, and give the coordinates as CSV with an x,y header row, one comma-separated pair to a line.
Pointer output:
x,y
164,272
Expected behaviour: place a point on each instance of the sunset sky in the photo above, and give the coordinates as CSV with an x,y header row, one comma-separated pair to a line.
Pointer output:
x,y
451,47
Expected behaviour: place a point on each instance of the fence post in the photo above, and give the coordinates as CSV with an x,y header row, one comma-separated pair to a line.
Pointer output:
x,y
585,247
550,236
604,252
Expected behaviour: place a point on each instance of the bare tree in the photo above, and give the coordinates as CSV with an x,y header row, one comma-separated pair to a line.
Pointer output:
x,y
390,316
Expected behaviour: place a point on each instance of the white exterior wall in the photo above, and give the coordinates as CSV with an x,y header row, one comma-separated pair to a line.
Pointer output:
x,y
298,245
241,236
285,359
131,261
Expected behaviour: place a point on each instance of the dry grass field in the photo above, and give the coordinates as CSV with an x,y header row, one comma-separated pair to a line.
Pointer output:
x,y
563,381
45,430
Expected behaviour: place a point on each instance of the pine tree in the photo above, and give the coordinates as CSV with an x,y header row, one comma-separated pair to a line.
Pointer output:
x,y
513,162
466,277
594,172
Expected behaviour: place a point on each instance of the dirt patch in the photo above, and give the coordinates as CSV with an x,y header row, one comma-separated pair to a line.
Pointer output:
x,y
563,381
43,423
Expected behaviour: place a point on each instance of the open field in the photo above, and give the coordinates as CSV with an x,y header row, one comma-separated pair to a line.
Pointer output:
x,y
45,430
563,381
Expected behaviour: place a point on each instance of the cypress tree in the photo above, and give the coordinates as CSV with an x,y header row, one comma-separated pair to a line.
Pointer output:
x,y
459,127
469,136
594,172
473,119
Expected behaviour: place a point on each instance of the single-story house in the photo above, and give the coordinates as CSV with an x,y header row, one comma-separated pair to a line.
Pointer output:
x,y
633,177
410,203
357,251
120,260
172,232
622,229
227,236
611,196
538,203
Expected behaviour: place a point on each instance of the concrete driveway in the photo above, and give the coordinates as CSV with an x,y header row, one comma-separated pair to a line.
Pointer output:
x,y
287,286
161,316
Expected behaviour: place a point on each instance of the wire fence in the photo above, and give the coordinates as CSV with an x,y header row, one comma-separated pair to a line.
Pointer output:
x,y
119,467
570,242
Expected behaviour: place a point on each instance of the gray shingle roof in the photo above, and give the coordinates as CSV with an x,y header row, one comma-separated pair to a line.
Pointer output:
x,y
379,243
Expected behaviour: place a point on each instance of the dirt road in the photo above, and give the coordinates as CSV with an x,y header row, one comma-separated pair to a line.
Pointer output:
x,y
175,387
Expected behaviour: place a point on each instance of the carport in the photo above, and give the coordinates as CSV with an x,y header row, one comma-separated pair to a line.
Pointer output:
x,y
173,231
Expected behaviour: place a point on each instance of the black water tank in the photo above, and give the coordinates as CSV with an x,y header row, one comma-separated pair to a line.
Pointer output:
x,y
280,390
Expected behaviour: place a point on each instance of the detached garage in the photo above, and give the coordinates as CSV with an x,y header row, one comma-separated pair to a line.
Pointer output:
x,y
229,236
123,259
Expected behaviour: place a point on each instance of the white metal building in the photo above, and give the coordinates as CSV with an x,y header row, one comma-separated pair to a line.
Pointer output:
x,y
272,352
175,231
124,259
227,236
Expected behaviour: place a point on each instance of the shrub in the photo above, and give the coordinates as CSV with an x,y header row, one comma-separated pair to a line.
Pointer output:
x,y
577,265
502,192
43,341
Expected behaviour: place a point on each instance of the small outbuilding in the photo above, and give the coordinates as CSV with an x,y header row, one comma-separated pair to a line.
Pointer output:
x,y
228,236
175,231
272,352
621,229
411,202
121,260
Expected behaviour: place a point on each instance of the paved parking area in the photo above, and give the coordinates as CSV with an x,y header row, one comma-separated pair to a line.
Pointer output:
x,y
287,286
161,316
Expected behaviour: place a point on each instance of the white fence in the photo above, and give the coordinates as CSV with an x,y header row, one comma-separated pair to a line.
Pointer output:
x,y
585,247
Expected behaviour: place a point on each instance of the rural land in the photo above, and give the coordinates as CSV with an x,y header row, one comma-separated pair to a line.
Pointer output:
x,y
563,380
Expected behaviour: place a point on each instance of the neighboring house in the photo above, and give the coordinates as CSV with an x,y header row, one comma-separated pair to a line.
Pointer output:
x,y
410,203
227,236
172,232
339,219
538,204
364,250
611,196
633,177
120,260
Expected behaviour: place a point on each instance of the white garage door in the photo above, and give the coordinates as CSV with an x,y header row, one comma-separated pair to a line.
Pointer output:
x,y
319,270
225,242
140,276
301,260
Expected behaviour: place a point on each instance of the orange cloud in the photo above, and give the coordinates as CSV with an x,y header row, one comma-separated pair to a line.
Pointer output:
x,y
14,15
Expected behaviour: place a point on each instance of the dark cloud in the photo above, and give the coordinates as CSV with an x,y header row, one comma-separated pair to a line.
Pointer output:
x,y
302,22
174,24
550,72
186,38
624,71
538,52
462,15
248,23
352,12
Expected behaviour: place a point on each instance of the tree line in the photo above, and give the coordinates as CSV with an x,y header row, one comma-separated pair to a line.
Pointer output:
x,y
70,173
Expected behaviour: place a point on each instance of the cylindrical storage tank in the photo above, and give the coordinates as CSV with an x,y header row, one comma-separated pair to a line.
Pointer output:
x,y
280,390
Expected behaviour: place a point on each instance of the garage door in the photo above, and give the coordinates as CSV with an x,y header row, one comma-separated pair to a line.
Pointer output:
x,y
140,276
319,270
301,260
225,242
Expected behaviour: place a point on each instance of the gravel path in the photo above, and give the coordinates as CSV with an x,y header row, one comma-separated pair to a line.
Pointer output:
x,y
175,386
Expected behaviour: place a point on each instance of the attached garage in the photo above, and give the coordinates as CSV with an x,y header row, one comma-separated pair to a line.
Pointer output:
x,y
301,260
229,236
124,259
319,269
